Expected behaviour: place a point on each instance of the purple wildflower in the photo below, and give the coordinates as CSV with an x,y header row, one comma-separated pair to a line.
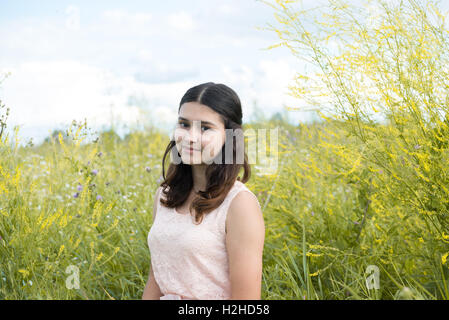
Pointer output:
x,y
313,213
76,195
148,169
356,222
79,187
94,172
99,197
417,146
100,154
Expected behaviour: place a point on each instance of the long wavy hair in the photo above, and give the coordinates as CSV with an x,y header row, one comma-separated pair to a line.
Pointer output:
x,y
220,177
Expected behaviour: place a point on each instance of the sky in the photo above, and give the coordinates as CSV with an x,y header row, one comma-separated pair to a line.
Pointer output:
x,y
130,62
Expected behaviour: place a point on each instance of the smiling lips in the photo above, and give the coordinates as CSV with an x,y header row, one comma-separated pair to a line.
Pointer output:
x,y
190,149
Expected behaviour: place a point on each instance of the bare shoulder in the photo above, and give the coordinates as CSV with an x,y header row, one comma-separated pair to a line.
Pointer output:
x,y
245,199
244,211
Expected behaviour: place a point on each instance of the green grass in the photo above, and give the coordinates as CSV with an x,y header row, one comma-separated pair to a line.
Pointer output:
x,y
313,248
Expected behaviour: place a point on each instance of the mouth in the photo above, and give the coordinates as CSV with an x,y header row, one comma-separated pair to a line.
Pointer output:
x,y
189,149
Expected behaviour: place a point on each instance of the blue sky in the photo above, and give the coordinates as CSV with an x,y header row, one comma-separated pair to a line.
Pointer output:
x,y
103,60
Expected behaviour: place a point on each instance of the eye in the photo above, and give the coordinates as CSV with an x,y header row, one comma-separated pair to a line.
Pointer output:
x,y
186,125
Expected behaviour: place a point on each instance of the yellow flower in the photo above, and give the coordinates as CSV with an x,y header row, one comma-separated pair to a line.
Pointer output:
x,y
310,254
24,272
77,243
444,258
61,249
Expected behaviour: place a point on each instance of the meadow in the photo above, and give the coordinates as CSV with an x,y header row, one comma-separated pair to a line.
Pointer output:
x,y
68,203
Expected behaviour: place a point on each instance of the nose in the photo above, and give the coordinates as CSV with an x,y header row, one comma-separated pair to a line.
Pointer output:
x,y
194,133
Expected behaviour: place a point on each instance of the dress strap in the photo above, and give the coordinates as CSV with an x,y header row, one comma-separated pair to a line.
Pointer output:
x,y
158,204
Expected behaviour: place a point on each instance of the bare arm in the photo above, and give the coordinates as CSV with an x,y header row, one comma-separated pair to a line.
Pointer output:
x,y
245,237
152,290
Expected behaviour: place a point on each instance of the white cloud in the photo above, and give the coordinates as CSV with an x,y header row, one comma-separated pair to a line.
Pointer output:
x,y
57,92
242,74
73,18
161,72
226,9
181,21
122,59
125,17
165,115
121,24
51,93
266,83
144,55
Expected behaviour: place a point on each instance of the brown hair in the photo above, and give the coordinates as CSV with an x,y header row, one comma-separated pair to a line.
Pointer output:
x,y
220,177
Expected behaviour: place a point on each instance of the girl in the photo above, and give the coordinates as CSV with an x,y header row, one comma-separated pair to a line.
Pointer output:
x,y
208,231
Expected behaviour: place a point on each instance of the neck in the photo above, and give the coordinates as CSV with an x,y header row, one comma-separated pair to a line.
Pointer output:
x,y
199,177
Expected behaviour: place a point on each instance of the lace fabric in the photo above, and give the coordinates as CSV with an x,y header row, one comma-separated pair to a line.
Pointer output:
x,y
190,261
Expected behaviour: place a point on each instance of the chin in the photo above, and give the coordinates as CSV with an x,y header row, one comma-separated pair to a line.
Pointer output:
x,y
191,161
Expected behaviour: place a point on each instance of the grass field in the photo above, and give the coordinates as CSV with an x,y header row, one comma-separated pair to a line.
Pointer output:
x,y
329,215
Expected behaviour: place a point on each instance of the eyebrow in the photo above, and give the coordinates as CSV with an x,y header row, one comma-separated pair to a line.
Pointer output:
x,y
203,122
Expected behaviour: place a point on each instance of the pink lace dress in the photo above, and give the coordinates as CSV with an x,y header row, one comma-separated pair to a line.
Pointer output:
x,y
190,261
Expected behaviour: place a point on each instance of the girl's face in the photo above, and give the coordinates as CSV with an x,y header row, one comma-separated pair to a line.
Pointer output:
x,y
199,133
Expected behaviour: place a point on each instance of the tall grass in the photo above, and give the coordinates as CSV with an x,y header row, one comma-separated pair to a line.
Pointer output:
x,y
316,246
